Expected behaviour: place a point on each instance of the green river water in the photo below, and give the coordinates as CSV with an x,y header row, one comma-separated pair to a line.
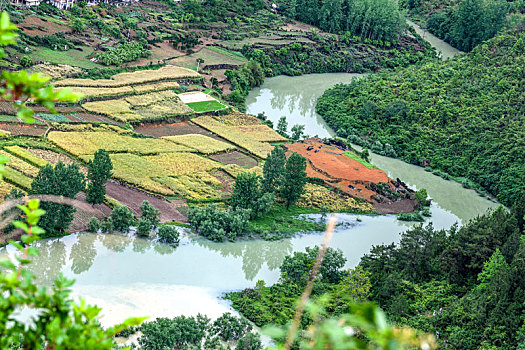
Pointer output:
x,y
130,276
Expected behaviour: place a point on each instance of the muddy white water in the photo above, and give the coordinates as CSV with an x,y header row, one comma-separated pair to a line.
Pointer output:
x,y
444,49
130,276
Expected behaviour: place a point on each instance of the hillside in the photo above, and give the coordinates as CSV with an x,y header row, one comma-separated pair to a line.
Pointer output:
x,y
464,117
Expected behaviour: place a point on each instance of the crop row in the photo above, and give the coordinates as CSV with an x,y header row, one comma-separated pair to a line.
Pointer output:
x,y
260,149
261,133
20,165
194,187
203,144
320,197
148,106
17,178
134,78
84,143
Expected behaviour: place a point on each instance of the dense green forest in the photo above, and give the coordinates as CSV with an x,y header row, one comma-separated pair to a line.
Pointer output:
x,y
465,285
369,19
465,117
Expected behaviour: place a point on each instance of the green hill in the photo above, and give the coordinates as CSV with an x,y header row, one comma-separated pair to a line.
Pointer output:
x,y
465,117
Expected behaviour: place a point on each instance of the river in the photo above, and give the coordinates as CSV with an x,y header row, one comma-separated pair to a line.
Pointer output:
x,y
130,276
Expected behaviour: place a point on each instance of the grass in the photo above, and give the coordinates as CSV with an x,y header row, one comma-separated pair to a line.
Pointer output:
x,y
360,160
280,222
236,55
72,57
206,106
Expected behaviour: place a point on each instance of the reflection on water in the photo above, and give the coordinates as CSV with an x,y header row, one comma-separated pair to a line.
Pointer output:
x,y
295,98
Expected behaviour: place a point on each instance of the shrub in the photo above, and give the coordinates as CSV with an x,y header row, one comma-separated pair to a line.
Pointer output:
x,y
218,225
94,225
144,228
229,327
150,213
126,52
107,225
26,61
168,234
122,218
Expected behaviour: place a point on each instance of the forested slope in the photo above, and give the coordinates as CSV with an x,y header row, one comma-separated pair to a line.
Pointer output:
x,y
465,116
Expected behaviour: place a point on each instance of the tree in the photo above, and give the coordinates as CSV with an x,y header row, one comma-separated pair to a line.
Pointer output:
x,y
247,194
78,26
273,170
168,234
282,126
150,213
60,180
297,132
122,218
99,171
294,179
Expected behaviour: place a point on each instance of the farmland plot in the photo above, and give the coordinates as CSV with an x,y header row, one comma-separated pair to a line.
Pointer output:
x,y
203,144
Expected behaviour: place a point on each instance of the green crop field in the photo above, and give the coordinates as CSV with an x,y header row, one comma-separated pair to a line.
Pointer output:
x,y
206,106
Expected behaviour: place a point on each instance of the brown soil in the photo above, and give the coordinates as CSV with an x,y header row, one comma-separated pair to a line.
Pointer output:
x,y
23,129
235,157
40,27
82,216
54,157
133,199
172,129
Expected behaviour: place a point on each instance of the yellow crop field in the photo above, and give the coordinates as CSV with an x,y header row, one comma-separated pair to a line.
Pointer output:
x,y
151,105
260,149
82,143
138,171
27,156
202,143
20,165
233,170
89,91
17,178
164,85
192,187
177,164
5,188
133,78
238,119
317,196
261,133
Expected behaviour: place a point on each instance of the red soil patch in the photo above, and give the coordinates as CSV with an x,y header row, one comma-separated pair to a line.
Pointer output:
x,y
133,199
332,162
353,178
235,157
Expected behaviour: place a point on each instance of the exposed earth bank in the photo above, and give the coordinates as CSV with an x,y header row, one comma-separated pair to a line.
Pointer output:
x,y
341,168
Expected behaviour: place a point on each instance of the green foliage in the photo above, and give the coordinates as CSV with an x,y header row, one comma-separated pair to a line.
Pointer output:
x,y
99,171
217,224
421,197
94,225
297,132
60,323
168,234
126,52
60,180
26,61
150,213
282,126
273,171
243,79
122,218
370,19
463,116
144,228
228,327
294,179
163,333
248,194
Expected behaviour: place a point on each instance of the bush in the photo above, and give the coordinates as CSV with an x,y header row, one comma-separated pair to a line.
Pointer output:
x,y
168,234
107,225
126,52
218,225
26,61
144,228
122,218
415,216
93,225
229,327
150,213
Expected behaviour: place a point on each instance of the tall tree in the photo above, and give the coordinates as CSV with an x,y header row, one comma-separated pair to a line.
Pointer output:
x,y
99,171
294,179
61,180
247,194
273,170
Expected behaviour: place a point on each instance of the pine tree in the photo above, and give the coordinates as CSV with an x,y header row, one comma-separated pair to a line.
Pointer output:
x,y
99,171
